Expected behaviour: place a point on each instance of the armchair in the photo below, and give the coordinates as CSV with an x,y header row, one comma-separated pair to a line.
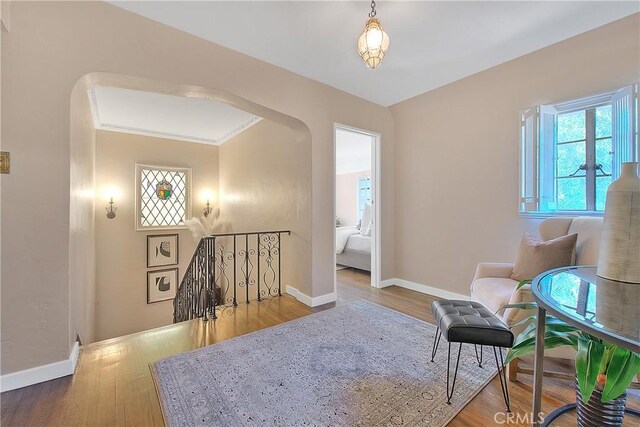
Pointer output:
x,y
492,284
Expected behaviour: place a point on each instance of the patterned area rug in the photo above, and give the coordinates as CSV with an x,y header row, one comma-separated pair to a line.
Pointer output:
x,y
358,364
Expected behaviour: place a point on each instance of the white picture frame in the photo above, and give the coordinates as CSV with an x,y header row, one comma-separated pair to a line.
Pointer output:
x,y
161,285
162,250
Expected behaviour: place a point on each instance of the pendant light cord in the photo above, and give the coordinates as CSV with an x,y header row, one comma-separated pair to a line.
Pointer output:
x,y
373,9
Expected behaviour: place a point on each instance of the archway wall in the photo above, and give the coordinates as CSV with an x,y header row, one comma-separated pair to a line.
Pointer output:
x,y
82,224
50,47
265,184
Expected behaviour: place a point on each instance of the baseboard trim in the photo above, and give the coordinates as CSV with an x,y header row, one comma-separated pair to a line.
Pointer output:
x,y
424,289
311,301
42,373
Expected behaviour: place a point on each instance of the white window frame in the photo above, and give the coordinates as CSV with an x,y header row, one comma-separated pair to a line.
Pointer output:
x,y
138,203
359,196
536,171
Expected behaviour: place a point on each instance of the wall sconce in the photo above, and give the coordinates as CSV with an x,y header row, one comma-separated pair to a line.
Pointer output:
x,y
207,195
110,193
207,209
111,210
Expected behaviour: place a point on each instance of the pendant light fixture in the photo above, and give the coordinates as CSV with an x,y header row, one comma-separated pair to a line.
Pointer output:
x,y
373,42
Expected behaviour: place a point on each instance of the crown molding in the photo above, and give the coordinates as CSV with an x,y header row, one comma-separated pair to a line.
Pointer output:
x,y
100,125
93,104
246,125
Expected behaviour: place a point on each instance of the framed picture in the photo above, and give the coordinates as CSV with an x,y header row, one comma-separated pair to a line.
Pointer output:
x,y
161,285
162,249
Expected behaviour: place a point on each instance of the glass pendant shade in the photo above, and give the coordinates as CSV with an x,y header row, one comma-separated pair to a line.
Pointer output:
x,y
373,43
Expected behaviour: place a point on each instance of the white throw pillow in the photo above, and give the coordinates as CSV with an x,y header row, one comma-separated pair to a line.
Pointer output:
x,y
366,219
367,231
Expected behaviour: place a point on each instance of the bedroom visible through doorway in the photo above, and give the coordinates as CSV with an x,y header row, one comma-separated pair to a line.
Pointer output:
x,y
355,197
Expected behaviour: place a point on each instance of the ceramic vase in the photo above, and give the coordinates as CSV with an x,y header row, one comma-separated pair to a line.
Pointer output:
x,y
620,241
596,413
617,306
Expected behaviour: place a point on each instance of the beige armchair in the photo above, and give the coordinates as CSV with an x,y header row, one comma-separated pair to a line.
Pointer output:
x,y
493,286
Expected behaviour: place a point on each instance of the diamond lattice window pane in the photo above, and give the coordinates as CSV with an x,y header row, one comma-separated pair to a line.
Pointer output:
x,y
163,197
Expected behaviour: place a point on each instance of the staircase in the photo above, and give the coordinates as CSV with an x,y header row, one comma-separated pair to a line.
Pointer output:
x,y
227,269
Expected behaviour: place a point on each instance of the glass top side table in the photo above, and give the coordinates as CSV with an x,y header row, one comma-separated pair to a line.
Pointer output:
x,y
604,308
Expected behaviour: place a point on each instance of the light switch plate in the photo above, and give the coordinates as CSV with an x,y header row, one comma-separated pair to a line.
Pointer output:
x,y
5,166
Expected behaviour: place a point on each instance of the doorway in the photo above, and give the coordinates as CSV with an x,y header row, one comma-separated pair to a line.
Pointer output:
x,y
357,211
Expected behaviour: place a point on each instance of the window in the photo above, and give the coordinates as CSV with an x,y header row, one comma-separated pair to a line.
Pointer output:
x,y
162,197
571,151
364,193
583,138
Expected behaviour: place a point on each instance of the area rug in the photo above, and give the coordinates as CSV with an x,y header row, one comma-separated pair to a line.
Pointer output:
x,y
357,364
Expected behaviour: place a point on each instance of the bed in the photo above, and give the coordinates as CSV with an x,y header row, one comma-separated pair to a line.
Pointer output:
x,y
352,248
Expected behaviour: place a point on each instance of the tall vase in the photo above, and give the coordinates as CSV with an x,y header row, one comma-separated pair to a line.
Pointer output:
x,y
620,240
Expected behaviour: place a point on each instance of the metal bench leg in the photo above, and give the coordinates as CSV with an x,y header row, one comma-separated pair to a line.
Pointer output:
x,y
478,358
436,342
502,374
455,373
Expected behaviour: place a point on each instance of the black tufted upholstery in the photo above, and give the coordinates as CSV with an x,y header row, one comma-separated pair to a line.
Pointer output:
x,y
470,322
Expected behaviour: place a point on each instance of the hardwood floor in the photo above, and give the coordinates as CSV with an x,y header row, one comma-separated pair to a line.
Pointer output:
x,y
112,385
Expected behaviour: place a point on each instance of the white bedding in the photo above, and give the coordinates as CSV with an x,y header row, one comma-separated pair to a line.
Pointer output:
x,y
342,236
359,243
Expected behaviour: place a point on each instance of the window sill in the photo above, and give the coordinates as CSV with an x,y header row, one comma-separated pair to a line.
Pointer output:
x,y
163,228
571,214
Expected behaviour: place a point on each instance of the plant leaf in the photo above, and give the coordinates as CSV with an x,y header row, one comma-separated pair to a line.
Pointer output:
x,y
624,366
524,283
552,324
561,327
524,321
588,361
606,358
528,332
533,318
551,340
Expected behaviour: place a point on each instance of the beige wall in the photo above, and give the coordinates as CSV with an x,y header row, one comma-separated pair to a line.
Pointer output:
x,y
82,267
466,129
457,152
265,184
347,196
51,45
121,267
3,29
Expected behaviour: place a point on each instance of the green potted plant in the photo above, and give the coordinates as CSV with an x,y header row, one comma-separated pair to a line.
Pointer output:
x,y
604,371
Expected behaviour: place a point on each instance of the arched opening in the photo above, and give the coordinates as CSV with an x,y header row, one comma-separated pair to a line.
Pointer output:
x,y
260,179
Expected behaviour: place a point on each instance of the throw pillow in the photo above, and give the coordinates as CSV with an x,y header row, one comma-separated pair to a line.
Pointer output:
x,y
535,257
367,231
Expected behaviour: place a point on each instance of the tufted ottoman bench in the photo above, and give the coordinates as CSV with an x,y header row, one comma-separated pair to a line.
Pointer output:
x,y
469,322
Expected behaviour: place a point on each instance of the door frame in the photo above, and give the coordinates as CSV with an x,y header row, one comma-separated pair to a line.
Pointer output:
x,y
376,234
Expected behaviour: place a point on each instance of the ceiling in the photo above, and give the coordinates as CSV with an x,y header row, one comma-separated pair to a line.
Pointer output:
x,y
432,43
353,152
167,116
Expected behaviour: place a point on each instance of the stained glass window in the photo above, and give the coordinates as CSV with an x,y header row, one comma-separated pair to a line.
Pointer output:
x,y
162,197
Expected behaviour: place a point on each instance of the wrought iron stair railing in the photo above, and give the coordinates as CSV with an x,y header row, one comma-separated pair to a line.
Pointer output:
x,y
229,268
